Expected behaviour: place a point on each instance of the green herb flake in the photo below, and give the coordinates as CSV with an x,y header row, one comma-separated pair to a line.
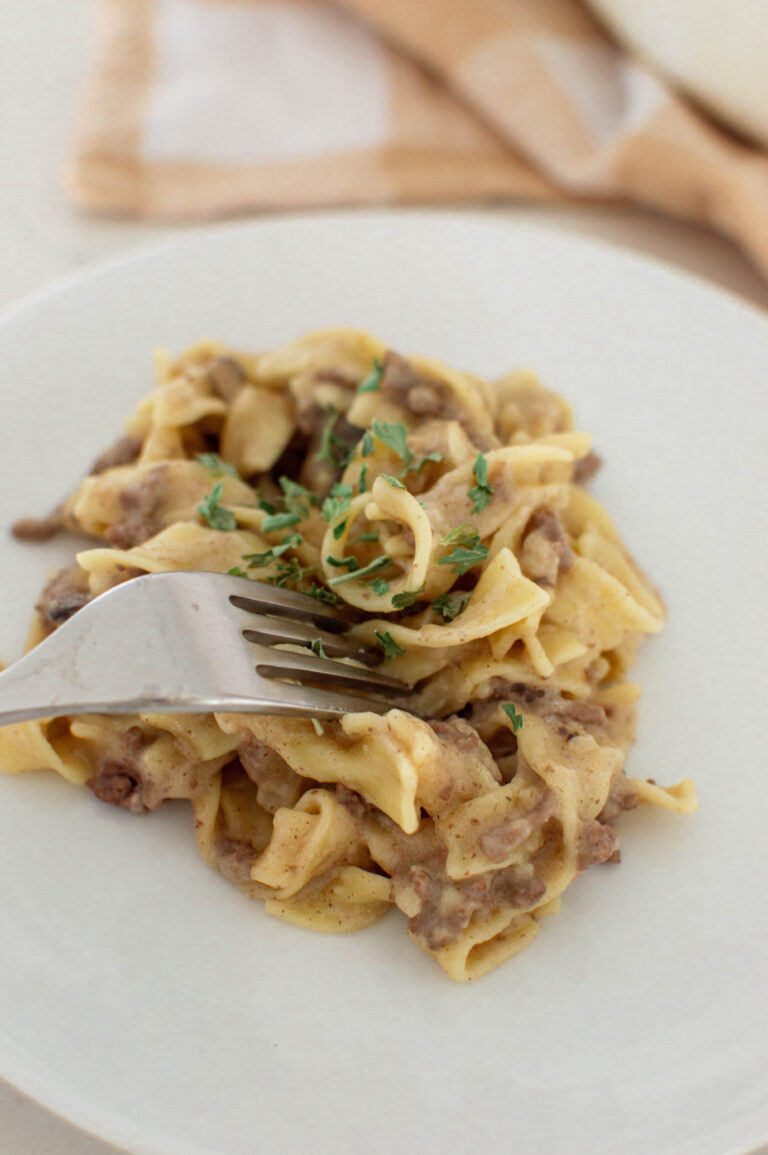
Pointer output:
x,y
215,466
462,559
339,529
436,456
358,573
514,716
338,503
350,563
260,560
293,489
463,535
395,437
372,383
367,447
363,474
317,648
406,599
289,572
267,506
390,646
449,606
392,480
279,521
366,537
380,587
212,511
237,572
321,594
481,493
329,441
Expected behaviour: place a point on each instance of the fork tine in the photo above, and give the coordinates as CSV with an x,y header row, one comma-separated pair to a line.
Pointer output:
x,y
271,663
277,631
262,598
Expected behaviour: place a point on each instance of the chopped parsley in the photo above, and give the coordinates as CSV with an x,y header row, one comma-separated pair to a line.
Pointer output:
x,y
337,503
212,511
289,572
332,449
363,475
317,648
372,383
350,563
392,480
215,466
389,645
463,535
481,493
339,529
395,437
260,560
296,498
366,537
514,716
449,606
461,559
380,587
367,447
267,506
357,573
237,572
279,521
407,598
436,456
321,594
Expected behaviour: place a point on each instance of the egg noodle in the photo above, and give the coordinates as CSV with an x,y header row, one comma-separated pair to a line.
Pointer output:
x,y
452,513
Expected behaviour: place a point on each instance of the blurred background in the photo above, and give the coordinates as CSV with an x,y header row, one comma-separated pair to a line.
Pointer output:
x,y
125,122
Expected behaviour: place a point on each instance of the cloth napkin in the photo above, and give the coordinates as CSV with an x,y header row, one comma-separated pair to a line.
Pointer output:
x,y
199,108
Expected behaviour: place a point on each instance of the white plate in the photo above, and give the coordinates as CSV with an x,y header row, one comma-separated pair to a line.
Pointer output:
x,y
144,998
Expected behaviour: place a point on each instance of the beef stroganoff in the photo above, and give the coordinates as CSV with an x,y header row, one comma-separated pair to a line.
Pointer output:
x,y
451,514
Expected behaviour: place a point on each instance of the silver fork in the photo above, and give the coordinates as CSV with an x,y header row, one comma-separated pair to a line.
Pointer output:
x,y
185,643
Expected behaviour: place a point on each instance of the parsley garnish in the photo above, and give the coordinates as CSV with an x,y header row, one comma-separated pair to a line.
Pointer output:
x,y
214,513
279,521
237,572
367,447
449,606
357,573
395,437
330,444
463,535
215,466
323,595
339,529
372,383
363,475
515,718
436,456
380,587
464,559
392,480
317,648
350,563
260,560
337,503
372,536
289,572
407,598
297,499
391,648
481,493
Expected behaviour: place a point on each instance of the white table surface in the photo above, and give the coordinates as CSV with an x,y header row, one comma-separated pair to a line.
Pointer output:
x,y
45,46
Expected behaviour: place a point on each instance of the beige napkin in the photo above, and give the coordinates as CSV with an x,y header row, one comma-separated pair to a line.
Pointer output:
x,y
200,108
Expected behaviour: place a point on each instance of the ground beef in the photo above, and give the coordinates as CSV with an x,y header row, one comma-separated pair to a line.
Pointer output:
x,y
499,841
38,528
123,452
276,783
586,468
597,843
235,858
65,593
141,503
226,378
118,781
550,704
621,798
401,384
544,549
439,909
